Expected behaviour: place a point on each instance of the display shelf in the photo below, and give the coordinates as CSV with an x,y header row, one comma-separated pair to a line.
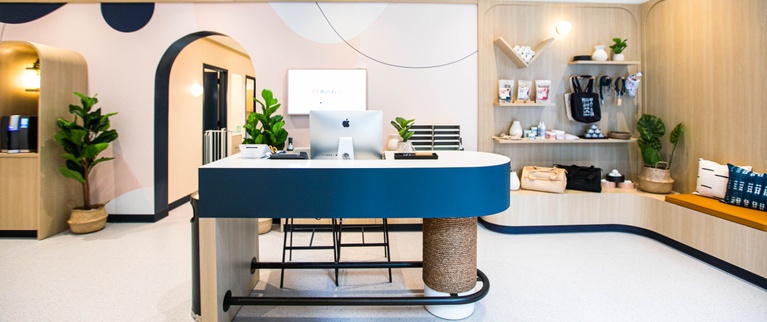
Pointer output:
x,y
581,141
516,58
19,155
498,104
610,62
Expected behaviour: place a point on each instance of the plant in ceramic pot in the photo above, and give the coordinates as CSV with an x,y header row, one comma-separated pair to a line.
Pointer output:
x,y
618,47
83,139
656,173
403,129
271,130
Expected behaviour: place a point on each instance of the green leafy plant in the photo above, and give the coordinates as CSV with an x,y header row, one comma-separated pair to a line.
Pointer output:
x,y
651,129
403,128
619,45
83,140
270,131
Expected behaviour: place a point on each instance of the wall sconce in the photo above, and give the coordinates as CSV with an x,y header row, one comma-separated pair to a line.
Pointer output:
x,y
31,78
564,27
196,89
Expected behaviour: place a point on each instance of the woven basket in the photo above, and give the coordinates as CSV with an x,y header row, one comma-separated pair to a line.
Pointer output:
x,y
264,225
655,180
83,221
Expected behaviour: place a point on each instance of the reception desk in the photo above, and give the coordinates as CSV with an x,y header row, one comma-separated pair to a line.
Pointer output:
x,y
234,192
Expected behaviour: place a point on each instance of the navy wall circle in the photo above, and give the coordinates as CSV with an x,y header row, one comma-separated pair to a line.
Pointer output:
x,y
127,17
26,12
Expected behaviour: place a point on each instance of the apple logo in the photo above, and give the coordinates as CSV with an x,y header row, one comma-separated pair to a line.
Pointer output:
x,y
345,123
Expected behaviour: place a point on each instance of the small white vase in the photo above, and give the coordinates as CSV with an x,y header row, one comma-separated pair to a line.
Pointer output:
x,y
513,181
393,142
405,147
516,130
618,57
599,53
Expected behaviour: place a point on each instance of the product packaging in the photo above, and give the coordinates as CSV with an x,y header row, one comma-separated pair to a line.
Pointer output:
x,y
523,91
505,86
542,89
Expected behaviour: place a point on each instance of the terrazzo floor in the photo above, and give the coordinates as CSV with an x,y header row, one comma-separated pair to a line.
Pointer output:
x,y
141,272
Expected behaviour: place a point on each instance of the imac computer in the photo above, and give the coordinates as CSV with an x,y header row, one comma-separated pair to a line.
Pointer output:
x,y
346,135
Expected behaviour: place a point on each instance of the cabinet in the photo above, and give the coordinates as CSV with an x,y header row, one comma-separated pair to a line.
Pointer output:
x,y
35,200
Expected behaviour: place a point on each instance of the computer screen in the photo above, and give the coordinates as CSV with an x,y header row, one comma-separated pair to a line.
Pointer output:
x,y
327,128
326,90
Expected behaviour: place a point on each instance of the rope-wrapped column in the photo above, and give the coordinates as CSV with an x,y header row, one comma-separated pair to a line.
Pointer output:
x,y
450,254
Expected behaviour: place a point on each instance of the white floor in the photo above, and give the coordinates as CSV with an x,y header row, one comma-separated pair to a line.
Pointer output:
x,y
141,272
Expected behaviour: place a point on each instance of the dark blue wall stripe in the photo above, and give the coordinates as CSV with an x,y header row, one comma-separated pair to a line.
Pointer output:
x,y
26,12
702,256
127,17
161,103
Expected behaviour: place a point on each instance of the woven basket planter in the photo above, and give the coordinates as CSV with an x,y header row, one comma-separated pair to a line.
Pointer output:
x,y
655,180
83,221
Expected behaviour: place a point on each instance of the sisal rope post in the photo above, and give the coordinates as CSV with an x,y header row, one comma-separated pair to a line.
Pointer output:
x,y
450,254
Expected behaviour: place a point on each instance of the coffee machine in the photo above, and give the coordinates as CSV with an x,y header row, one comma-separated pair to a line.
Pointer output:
x,y
18,134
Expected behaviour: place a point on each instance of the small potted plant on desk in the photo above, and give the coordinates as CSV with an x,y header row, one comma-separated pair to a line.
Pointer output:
x,y
618,48
656,173
403,129
271,131
83,142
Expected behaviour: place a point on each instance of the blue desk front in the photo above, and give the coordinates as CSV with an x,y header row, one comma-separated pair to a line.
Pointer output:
x,y
233,192
458,184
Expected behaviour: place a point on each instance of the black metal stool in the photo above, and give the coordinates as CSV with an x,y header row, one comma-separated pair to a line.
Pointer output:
x,y
289,228
361,228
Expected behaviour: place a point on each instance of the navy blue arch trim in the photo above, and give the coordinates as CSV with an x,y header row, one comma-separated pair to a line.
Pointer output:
x,y
702,256
127,17
161,104
25,12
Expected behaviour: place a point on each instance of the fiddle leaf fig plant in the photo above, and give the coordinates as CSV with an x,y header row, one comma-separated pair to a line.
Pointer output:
x,y
619,45
271,131
403,127
83,139
651,129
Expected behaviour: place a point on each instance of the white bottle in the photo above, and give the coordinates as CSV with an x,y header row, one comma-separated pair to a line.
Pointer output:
x,y
513,181
541,130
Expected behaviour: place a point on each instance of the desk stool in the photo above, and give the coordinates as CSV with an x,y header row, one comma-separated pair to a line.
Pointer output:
x,y
385,244
289,228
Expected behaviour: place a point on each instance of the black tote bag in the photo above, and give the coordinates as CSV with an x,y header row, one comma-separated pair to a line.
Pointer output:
x,y
584,102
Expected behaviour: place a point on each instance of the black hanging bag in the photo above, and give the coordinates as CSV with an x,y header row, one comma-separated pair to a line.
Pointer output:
x,y
582,178
584,102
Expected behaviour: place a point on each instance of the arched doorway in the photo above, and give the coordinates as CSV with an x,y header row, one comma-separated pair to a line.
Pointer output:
x,y
167,117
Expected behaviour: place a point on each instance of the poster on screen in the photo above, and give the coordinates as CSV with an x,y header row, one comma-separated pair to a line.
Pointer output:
x,y
326,89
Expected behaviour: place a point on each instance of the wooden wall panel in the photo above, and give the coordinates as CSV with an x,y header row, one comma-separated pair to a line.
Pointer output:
x,y
705,66
521,23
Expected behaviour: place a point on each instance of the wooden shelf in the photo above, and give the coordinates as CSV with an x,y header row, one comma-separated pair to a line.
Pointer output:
x,y
19,155
497,104
609,62
516,58
581,141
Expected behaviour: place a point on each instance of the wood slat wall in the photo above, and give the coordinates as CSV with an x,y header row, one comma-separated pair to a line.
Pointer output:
x,y
705,66
526,23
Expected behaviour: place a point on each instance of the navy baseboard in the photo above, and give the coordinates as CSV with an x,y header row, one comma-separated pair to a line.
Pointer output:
x,y
702,256
18,233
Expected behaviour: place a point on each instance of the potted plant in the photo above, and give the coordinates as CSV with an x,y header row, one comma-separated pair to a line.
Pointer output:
x,y
83,140
618,48
656,173
271,132
403,129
